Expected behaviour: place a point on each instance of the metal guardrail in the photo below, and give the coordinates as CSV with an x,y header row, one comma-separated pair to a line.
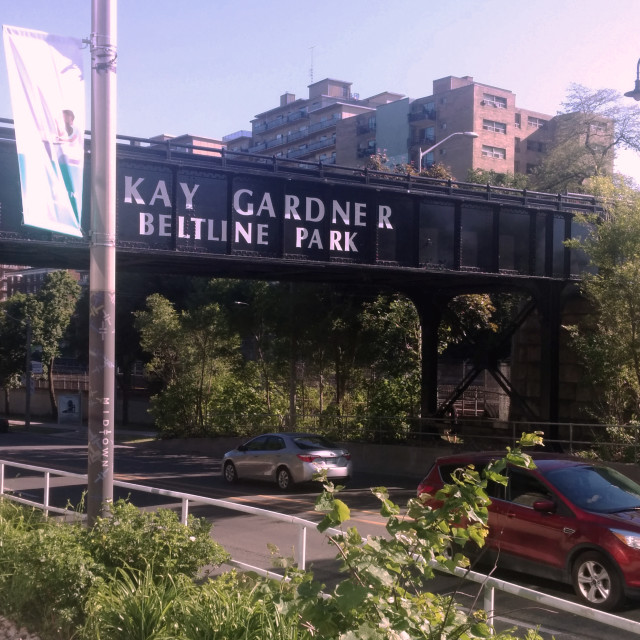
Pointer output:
x,y
488,583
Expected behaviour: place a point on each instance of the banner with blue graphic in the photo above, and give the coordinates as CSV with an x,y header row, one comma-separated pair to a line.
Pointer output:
x,y
48,100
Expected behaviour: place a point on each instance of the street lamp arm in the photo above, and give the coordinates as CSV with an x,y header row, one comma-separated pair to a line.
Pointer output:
x,y
635,94
422,154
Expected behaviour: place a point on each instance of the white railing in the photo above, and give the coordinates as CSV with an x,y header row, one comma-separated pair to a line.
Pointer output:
x,y
489,583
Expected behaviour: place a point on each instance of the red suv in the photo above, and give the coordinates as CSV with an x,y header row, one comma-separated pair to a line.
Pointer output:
x,y
568,519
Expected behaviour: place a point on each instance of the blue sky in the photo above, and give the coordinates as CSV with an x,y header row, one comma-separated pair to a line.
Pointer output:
x,y
207,67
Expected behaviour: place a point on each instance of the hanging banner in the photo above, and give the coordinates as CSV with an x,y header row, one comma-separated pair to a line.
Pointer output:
x,y
48,100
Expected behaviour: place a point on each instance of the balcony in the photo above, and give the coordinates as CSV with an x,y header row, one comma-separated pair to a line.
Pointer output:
x,y
365,153
422,140
279,121
325,124
424,114
310,148
362,129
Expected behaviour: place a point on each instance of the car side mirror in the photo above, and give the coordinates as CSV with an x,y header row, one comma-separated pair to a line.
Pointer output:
x,y
242,447
544,506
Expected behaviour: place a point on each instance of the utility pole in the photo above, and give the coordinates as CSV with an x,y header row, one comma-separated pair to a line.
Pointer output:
x,y
102,255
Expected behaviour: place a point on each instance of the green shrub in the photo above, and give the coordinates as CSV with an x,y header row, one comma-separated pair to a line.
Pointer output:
x,y
46,575
136,539
238,607
136,605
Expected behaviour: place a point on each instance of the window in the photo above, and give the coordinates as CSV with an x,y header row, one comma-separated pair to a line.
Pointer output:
x,y
257,444
494,101
496,127
533,145
428,135
525,490
493,152
443,126
517,144
518,122
535,123
275,443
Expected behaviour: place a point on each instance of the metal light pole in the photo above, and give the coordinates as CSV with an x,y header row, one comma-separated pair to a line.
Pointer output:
x,y
635,94
422,154
102,270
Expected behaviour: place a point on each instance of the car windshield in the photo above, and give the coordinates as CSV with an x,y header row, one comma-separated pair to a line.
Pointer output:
x,y
599,489
313,442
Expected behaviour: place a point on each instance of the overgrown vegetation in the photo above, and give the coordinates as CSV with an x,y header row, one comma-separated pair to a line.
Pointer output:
x,y
49,569
132,577
241,356
608,340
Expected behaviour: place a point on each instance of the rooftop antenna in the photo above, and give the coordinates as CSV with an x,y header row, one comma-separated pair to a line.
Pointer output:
x,y
311,67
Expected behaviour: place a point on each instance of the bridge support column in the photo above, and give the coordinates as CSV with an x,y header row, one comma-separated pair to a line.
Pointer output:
x,y
430,311
549,305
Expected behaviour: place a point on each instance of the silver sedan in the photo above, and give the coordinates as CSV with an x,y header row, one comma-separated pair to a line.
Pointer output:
x,y
286,458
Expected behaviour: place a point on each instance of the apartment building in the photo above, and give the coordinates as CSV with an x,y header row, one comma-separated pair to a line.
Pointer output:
x,y
334,125
307,128
510,139
28,281
7,271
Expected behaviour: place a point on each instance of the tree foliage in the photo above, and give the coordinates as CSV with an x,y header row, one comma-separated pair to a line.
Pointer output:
x,y
192,356
57,300
13,342
498,179
591,126
379,162
609,343
48,313
384,594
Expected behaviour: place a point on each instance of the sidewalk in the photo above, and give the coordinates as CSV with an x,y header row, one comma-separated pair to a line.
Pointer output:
x,y
56,429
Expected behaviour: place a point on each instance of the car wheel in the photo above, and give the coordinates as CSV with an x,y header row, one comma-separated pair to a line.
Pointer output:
x,y
230,473
283,478
597,581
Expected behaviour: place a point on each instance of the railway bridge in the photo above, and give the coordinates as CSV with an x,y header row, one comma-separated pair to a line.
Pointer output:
x,y
214,213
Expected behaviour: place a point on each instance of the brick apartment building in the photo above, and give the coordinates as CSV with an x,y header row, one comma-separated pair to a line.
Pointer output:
x,y
334,125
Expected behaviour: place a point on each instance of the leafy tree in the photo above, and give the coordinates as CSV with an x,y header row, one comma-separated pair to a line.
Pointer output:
x,y
15,313
498,179
378,162
49,312
609,341
588,130
56,300
195,363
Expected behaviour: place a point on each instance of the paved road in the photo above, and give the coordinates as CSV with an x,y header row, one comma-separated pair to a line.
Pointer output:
x,y
246,537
